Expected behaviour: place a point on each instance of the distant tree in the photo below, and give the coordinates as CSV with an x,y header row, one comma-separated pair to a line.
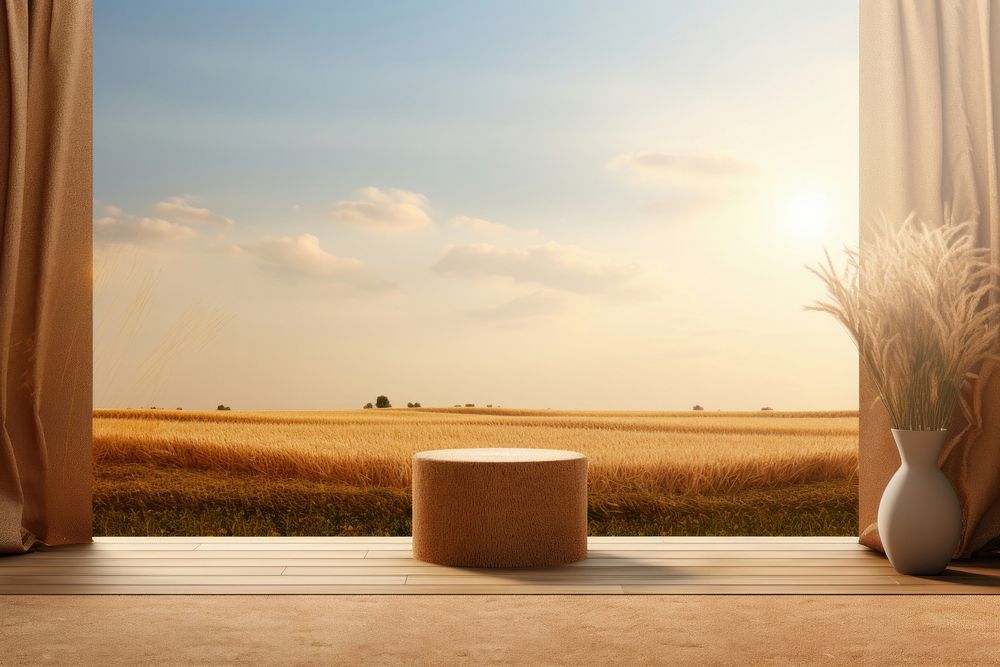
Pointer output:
x,y
223,407
697,407
489,405
470,405
382,402
409,405
180,408
416,405
767,408
458,405
368,406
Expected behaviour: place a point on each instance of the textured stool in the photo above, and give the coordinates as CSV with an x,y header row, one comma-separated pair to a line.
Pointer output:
x,y
499,507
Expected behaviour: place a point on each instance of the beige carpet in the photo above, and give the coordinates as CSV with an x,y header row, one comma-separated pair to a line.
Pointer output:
x,y
530,630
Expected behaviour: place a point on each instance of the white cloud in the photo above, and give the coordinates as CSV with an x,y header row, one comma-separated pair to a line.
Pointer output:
x,y
681,203
302,257
552,265
119,227
136,231
686,185
478,225
180,210
681,168
388,211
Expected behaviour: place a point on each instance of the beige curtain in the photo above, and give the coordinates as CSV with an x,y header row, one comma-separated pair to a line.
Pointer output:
x,y
930,105
45,262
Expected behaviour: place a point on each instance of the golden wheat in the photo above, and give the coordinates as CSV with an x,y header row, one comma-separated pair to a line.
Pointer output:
x,y
628,452
920,303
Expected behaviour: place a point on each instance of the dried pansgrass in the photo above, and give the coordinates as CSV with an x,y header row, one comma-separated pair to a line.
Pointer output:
x,y
365,448
923,315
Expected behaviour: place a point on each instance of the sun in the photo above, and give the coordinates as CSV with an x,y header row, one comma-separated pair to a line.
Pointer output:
x,y
808,215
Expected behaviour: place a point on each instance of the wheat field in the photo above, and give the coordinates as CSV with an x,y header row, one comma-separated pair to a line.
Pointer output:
x,y
161,471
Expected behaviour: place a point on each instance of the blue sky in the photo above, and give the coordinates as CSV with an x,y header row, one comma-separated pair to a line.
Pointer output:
x,y
475,159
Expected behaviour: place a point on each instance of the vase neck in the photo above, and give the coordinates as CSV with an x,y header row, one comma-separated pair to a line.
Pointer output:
x,y
919,448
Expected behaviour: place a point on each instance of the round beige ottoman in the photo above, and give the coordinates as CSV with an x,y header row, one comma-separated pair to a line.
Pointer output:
x,y
499,507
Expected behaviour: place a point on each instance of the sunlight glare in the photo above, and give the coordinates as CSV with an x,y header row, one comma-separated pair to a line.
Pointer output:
x,y
808,215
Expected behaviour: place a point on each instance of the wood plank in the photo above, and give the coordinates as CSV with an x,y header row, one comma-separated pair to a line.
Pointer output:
x,y
179,563
233,560
239,580
103,589
730,546
249,540
798,589
56,569
701,580
297,546
408,540
192,554
774,552
794,548
323,565
667,554
384,552
253,552
561,573
989,570
121,546
738,539
616,547
950,580
99,589
734,561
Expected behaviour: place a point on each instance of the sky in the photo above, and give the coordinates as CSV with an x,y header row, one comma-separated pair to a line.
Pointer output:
x,y
554,204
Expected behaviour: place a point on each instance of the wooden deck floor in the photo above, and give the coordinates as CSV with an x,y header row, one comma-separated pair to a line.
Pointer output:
x,y
340,565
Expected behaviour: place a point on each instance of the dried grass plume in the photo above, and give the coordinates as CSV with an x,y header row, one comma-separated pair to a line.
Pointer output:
x,y
923,315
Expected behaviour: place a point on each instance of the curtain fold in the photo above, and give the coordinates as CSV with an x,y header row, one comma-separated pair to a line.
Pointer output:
x,y
45,273
930,86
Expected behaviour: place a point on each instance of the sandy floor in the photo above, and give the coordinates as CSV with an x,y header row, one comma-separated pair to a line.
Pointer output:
x,y
533,630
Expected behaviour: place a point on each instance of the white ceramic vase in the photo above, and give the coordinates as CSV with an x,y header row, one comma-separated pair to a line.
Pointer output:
x,y
919,516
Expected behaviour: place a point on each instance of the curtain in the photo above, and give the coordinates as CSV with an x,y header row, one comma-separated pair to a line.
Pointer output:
x,y
45,273
930,108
